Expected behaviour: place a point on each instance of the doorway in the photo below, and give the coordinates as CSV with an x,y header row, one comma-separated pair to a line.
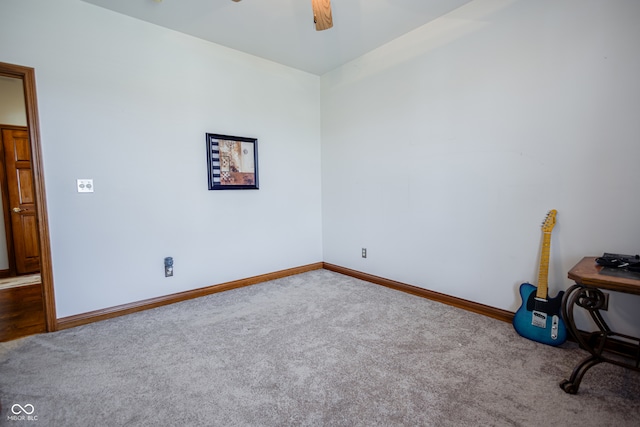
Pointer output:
x,y
26,279
16,186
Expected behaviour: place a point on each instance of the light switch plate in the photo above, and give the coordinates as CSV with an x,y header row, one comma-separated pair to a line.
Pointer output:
x,y
85,185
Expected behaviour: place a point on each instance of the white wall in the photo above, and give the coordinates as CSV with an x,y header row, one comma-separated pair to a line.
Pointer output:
x,y
128,104
443,151
12,112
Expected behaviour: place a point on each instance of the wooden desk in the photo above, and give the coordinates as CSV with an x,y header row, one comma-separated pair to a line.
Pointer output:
x,y
587,273
604,345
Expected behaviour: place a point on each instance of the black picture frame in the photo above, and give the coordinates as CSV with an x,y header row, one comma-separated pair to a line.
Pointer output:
x,y
232,162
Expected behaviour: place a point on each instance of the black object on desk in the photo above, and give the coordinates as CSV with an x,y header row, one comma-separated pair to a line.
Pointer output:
x,y
620,265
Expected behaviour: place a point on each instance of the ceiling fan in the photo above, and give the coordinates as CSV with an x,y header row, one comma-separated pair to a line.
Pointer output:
x,y
321,13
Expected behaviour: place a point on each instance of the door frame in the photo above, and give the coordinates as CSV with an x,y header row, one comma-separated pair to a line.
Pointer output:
x,y
28,77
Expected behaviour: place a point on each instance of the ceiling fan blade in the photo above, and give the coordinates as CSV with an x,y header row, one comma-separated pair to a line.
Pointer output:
x,y
322,14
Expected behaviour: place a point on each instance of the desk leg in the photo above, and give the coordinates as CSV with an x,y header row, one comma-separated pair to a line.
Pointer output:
x,y
592,300
573,383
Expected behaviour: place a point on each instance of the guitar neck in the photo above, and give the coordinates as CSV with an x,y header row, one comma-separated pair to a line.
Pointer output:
x,y
543,272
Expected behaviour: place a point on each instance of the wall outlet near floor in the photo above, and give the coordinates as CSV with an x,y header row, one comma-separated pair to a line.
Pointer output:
x,y
168,266
364,252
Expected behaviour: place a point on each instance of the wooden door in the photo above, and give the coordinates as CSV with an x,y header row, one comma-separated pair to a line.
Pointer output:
x,y
21,199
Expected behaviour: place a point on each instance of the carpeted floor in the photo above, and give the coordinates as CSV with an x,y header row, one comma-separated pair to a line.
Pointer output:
x,y
317,349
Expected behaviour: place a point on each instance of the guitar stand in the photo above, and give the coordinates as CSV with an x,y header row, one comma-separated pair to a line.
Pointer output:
x,y
604,345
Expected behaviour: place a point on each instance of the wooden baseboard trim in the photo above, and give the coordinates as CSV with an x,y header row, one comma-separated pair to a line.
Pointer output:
x,y
612,345
121,310
496,313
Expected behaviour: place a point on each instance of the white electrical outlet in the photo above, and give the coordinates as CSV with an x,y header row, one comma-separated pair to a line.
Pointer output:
x,y
84,185
364,252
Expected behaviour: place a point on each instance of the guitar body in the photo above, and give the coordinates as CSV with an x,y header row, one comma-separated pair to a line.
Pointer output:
x,y
540,320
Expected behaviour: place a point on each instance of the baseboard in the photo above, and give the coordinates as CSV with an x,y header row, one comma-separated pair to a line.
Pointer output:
x,y
615,346
475,307
120,310
611,345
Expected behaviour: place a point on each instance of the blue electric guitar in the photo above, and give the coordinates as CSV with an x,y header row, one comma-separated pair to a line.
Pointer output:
x,y
538,318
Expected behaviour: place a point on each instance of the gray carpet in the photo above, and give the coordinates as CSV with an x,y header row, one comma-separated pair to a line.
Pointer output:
x,y
318,349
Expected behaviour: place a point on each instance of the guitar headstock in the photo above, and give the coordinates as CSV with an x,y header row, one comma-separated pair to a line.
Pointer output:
x,y
550,221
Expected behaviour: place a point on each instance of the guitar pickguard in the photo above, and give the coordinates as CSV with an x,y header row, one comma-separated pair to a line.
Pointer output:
x,y
549,306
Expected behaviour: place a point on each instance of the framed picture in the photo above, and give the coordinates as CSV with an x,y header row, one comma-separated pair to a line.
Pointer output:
x,y
233,162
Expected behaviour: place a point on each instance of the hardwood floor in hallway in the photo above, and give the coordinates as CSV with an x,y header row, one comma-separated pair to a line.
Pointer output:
x,y
21,307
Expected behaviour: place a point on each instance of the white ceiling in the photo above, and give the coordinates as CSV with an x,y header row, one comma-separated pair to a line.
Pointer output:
x,y
283,30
